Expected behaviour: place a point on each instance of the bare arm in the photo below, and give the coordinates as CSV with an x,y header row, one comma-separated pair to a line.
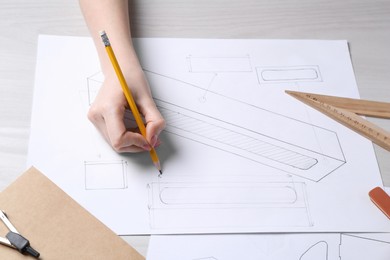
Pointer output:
x,y
108,109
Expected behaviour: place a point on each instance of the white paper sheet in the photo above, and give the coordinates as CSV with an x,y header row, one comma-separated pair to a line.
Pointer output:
x,y
238,154
325,246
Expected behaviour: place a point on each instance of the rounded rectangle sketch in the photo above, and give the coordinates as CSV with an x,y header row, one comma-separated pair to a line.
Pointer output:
x,y
101,175
231,194
288,74
274,204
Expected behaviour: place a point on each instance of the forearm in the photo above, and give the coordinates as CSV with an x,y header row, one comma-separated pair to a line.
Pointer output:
x,y
108,108
111,16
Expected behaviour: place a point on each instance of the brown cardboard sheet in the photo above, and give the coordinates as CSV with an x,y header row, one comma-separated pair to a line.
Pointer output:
x,y
56,226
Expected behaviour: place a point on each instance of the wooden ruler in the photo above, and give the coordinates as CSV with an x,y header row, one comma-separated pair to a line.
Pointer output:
x,y
347,110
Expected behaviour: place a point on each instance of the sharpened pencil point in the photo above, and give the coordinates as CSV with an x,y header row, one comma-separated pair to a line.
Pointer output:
x,y
158,166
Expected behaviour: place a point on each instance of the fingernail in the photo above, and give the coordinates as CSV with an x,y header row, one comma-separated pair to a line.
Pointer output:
x,y
146,147
153,141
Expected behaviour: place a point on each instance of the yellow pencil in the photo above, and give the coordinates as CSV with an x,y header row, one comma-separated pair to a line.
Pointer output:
x,y
129,96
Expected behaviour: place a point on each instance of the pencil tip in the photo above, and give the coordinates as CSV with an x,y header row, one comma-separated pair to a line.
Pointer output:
x,y
158,166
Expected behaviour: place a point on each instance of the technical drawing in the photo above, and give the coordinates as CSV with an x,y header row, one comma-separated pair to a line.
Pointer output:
x,y
280,74
288,162
102,175
257,203
247,143
239,140
261,145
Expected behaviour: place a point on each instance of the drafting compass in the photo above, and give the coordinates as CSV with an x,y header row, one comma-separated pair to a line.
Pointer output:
x,y
15,240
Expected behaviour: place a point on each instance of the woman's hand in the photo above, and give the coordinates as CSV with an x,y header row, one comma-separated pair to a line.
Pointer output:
x,y
107,113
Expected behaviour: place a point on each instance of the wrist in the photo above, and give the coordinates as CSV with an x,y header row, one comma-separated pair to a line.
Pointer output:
x,y
123,51
132,74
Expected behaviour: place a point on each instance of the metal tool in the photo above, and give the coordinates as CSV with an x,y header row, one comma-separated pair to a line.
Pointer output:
x,y
15,240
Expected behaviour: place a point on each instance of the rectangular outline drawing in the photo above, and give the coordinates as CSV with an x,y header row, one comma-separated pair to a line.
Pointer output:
x,y
283,74
215,213
231,194
104,184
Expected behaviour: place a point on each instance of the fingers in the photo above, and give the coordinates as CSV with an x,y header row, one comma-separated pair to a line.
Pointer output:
x,y
112,127
110,124
153,130
155,123
121,139
107,113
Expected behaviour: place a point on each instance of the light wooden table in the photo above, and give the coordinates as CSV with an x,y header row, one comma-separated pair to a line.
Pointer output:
x,y
364,23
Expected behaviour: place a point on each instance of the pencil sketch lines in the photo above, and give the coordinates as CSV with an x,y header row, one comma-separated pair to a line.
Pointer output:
x,y
247,143
103,175
203,98
318,251
285,74
93,85
262,147
235,139
257,204
364,246
215,66
228,194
